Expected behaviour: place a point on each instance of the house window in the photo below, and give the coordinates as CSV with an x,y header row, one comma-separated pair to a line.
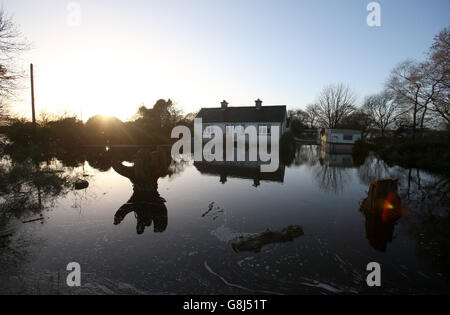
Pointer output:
x,y
239,129
264,129
229,129
348,137
209,130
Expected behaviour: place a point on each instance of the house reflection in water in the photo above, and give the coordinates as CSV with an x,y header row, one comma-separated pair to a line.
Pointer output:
x,y
334,172
336,160
244,170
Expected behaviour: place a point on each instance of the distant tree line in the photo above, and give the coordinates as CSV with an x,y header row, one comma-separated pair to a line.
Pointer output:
x,y
151,126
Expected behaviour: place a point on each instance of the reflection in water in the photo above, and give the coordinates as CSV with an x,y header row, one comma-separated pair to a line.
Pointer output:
x,y
428,200
29,186
336,160
251,169
149,207
382,209
373,169
147,211
244,170
27,189
254,243
334,171
307,155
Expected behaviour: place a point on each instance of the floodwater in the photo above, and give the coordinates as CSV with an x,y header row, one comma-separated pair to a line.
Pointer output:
x,y
127,242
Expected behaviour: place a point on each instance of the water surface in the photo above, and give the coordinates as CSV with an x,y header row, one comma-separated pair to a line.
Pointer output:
x,y
183,246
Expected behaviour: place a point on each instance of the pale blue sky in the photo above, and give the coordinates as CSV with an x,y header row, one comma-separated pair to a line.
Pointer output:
x,y
200,52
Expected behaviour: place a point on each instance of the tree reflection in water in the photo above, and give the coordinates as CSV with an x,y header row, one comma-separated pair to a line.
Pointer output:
x,y
27,189
306,155
334,171
149,207
427,198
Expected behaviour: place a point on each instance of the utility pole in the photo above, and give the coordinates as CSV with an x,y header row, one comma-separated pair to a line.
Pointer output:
x,y
33,112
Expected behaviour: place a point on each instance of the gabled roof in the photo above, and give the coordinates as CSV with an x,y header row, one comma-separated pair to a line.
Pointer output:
x,y
243,114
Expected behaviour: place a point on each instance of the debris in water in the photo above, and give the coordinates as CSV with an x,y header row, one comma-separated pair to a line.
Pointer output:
x,y
213,211
34,220
81,184
210,207
254,243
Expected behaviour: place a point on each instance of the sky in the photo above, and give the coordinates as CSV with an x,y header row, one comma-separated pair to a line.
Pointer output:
x,y
120,54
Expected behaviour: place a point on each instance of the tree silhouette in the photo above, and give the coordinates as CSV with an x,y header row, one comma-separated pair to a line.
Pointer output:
x,y
11,44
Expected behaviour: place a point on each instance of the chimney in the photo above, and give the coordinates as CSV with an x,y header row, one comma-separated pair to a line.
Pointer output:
x,y
224,105
258,103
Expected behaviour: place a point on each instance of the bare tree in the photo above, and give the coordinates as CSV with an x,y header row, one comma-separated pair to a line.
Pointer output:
x,y
3,112
425,86
404,83
11,44
312,111
381,109
439,74
334,103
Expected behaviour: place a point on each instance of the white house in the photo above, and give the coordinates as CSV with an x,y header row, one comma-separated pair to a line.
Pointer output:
x,y
339,140
264,118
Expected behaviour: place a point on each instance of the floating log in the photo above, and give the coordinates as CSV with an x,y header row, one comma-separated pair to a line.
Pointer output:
x,y
33,220
254,243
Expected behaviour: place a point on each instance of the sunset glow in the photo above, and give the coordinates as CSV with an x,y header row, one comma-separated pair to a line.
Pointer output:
x,y
228,155
200,52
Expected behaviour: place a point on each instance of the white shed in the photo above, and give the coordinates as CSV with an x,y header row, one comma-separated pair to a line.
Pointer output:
x,y
339,140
